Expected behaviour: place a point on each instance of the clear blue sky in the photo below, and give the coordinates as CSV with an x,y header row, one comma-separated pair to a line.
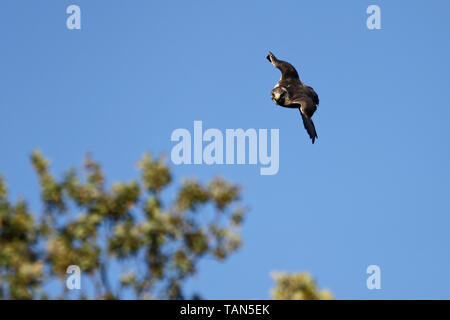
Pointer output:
x,y
374,189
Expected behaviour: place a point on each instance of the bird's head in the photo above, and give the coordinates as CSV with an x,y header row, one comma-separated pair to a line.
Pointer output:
x,y
278,95
271,57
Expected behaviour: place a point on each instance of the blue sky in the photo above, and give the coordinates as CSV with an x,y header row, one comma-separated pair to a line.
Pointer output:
x,y
374,188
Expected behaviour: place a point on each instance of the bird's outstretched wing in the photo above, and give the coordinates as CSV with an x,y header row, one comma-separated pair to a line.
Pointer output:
x,y
288,72
312,95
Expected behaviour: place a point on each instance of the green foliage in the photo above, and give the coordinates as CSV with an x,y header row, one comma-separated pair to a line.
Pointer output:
x,y
297,286
21,270
157,244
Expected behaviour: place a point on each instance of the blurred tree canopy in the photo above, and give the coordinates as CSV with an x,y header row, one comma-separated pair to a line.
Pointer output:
x,y
152,244
297,286
128,224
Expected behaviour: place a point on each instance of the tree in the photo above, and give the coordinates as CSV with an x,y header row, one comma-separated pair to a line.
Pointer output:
x,y
86,224
297,286
133,226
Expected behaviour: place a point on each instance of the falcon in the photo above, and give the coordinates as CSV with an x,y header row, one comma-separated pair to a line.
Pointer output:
x,y
291,92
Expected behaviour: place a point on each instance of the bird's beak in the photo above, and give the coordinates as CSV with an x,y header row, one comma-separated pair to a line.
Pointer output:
x,y
276,96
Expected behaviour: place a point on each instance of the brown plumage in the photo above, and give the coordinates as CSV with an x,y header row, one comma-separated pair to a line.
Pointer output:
x,y
290,92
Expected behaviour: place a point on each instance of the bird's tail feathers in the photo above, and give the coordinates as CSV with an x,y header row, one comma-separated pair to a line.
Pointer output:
x,y
309,126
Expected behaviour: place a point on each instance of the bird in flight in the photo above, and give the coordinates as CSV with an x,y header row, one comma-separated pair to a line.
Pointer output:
x,y
290,92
